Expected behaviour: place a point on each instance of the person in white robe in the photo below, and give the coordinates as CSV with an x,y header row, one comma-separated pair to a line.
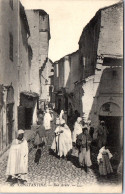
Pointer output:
x,y
17,166
61,116
62,143
77,129
103,159
47,120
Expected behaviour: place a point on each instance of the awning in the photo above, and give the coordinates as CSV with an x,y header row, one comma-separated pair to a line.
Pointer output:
x,y
112,61
30,94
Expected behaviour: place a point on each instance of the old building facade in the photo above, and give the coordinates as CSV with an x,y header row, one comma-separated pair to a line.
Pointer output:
x,y
14,67
46,83
102,65
90,79
61,74
39,41
66,78
24,53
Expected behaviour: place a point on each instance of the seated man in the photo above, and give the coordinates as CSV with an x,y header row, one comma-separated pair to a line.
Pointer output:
x,y
17,166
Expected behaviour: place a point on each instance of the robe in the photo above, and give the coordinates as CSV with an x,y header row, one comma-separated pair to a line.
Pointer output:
x,y
103,159
18,158
62,143
47,121
77,131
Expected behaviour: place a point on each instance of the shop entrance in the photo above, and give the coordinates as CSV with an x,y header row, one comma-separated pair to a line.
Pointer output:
x,y
111,114
9,122
113,127
28,117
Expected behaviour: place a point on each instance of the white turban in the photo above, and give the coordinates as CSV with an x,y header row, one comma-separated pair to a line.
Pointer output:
x,y
20,131
79,119
62,121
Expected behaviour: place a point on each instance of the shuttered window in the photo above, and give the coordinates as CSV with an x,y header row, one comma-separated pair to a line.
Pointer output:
x,y
11,47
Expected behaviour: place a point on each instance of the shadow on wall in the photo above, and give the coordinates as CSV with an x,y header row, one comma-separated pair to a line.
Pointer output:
x,y
107,105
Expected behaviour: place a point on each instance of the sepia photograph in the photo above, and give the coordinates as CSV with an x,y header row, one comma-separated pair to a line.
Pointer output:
x,y
61,96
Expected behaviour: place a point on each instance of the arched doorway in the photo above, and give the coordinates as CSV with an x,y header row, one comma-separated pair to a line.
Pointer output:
x,y
111,114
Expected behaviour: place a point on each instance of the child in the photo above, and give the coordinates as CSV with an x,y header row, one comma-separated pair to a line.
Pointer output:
x,y
103,159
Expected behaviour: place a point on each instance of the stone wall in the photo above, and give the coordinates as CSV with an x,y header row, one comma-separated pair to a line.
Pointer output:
x,y
111,31
46,81
39,42
33,20
24,66
14,64
8,66
109,90
88,44
103,82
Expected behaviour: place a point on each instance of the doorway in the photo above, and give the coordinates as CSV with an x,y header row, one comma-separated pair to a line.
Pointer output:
x,y
113,126
9,122
28,117
59,106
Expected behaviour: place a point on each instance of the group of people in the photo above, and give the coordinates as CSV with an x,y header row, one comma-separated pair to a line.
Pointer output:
x,y
80,139
64,142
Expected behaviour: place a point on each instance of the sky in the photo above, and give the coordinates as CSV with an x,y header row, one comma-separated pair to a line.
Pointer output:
x,y
67,20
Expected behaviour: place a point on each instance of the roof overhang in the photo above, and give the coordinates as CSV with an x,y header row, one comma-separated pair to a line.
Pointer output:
x,y
30,94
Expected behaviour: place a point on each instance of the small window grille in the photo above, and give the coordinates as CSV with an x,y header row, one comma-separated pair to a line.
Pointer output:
x,y
106,107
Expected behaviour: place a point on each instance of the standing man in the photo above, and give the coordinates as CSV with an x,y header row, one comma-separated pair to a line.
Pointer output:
x,y
77,129
62,143
47,124
17,166
47,120
84,142
102,134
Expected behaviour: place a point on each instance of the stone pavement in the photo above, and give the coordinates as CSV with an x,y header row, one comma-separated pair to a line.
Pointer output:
x,y
52,171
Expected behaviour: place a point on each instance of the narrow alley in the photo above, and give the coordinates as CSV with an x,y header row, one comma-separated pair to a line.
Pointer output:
x,y
55,171
61,94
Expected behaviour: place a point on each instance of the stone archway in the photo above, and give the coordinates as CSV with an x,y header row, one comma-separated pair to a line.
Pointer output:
x,y
110,109
111,114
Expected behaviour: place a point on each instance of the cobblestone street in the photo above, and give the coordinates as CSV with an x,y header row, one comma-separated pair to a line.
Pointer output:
x,y
52,171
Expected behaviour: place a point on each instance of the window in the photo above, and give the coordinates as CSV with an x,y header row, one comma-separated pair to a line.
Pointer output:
x,y
11,47
11,4
106,107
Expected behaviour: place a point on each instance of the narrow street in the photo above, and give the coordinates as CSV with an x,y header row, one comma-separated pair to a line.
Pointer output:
x,y
52,171
61,65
